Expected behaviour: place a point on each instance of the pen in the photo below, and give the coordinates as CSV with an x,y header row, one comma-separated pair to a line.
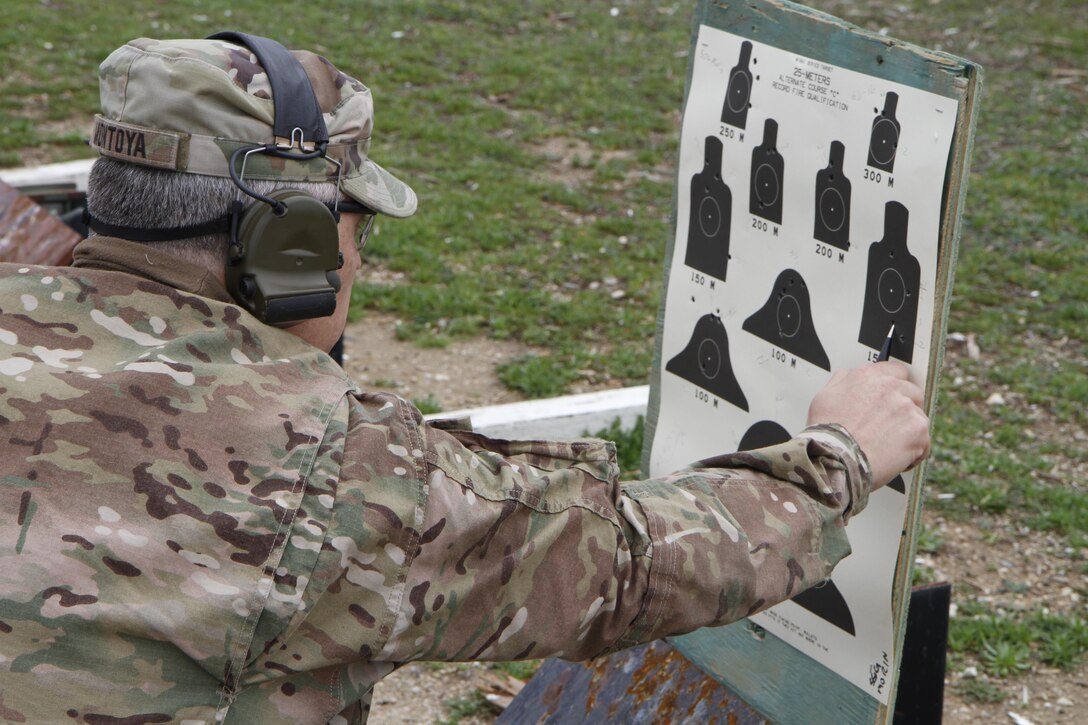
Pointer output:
x,y
886,348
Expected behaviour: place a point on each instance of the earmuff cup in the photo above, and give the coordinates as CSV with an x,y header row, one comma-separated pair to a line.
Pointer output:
x,y
284,259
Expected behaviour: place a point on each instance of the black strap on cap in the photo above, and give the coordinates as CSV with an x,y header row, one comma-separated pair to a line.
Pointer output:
x,y
290,83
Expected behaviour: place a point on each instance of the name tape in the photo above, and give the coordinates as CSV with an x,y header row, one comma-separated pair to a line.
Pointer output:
x,y
135,144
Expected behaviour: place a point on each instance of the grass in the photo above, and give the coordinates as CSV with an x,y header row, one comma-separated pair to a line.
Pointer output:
x,y
1007,645
542,141
981,691
464,707
427,405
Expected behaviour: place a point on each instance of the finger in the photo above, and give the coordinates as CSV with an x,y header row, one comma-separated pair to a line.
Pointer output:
x,y
892,368
911,391
838,375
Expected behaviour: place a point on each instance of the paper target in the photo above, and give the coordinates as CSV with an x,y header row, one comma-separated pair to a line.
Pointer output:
x,y
738,93
705,362
832,223
891,288
768,176
884,137
710,215
785,320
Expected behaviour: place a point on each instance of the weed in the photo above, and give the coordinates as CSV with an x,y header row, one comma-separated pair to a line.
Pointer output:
x,y
537,376
1005,658
463,707
427,405
930,540
521,670
1011,645
1063,650
978,690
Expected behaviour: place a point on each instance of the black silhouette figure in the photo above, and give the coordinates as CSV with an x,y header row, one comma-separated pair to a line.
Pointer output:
x,y
705,362
824,599
884,138
710,215
785,320
765,199
891,288
827,602
762,434
833,201
739,92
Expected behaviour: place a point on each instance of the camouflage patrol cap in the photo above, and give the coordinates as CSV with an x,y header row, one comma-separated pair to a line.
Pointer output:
x,y
186,105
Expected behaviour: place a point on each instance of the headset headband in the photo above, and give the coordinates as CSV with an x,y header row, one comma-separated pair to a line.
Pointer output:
x,y
293,100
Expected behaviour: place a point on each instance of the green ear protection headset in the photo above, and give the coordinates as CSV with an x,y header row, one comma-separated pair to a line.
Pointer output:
x,y
285,251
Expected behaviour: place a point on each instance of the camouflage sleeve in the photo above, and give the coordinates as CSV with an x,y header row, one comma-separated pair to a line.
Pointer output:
x,y
533,549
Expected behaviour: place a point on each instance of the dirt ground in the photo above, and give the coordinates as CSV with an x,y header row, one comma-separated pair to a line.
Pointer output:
x,y
979,564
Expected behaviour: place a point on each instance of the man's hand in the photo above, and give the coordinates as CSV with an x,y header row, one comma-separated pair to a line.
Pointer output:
x,y
881,408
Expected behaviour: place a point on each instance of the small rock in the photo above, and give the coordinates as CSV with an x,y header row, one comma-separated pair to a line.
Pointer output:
x,y
1019,719
970,673
619,294
973,351
1064,702
995,399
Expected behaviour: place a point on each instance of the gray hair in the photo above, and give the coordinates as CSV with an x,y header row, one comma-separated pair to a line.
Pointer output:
x,y
139,196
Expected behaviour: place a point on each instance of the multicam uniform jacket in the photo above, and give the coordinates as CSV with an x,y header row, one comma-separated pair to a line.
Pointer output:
x,y
203,520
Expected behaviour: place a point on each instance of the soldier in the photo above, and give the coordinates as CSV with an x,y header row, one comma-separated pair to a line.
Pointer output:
x,y
203,520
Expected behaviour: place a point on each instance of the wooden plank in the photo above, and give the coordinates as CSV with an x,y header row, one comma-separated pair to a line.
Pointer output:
x,y
74,173
773,677
31,235
563,418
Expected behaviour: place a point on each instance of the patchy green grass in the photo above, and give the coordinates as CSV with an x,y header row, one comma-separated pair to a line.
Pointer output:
x,y
981,691
465,707
1007,644
428,404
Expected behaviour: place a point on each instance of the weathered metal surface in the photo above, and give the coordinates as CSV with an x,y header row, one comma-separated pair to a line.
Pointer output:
x,y
649,684
30,234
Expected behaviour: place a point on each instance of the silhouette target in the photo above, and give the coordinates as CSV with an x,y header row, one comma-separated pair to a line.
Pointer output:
x,y
786,320
891,288
824,599
739,91
705,362
765,189
827,602
884,137
762,434
833,201
710,215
